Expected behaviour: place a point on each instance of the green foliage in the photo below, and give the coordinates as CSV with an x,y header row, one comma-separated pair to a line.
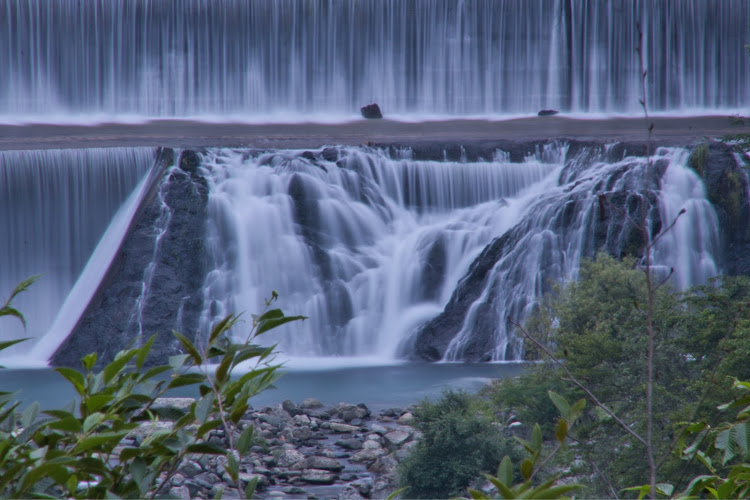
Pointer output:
x,y
698,158
724,442
458,443
503,482
81,451
597,328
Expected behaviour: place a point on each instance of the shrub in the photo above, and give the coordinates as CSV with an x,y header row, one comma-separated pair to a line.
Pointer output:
x,y
459,442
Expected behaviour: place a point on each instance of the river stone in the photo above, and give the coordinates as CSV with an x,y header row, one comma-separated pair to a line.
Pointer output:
x,y
317,476
289,457
338,427
291,408
190,468
310,403
368,455
350,444
384,464
405,419
182,492
378,428
349,492
396,438
246,477
322,463
302,419
371,444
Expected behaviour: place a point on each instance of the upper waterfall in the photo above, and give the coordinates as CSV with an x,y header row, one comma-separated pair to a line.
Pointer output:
x,y
304,60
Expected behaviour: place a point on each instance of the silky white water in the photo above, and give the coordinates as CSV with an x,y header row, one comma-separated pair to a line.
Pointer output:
x,y
313,59
55,206
373,246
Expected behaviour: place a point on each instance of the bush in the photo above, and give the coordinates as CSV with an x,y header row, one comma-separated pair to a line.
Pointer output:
x,y
83,450
459,442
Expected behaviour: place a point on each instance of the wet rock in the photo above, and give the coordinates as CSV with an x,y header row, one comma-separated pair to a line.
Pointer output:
x,y
350,492
368,455
289,456
343,428
321,463
547,112
182,492
311,403
405,419
396,438
291,408
316,476
350,444
190,469
371,111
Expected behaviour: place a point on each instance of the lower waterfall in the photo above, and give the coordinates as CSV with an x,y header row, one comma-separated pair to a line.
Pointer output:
x,y
371,245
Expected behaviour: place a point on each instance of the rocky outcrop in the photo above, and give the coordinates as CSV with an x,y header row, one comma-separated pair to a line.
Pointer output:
x,y
303,451
371,112
727,189
154,283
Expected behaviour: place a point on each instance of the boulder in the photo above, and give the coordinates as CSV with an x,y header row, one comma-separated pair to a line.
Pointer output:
x,y
547,112
371,111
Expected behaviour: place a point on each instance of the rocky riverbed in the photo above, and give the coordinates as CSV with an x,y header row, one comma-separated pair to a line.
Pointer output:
x,y
303,451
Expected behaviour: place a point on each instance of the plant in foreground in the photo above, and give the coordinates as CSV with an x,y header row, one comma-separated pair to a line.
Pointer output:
x,y
83,450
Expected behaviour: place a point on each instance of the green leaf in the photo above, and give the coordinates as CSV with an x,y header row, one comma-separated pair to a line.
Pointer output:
x,y
116,366
238,410
561,404
245,440
30,414
478,495
222,371
68,424
178,361
7,343
9,311
505,471
36,474
576,410
206,427
232,466
527,468
504,490
92,421
189,347
222,326
536,439
74,377
270,324
186,379
128,454
105,438
203,408
89,361
95,402
143,351
561,430
250,488
554,492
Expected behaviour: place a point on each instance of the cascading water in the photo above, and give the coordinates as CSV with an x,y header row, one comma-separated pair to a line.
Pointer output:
x,y
559,227
326,58
371,247
368,247
54,208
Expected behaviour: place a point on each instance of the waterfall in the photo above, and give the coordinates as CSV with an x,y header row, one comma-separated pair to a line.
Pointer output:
x,y
323,59
55,205
371,246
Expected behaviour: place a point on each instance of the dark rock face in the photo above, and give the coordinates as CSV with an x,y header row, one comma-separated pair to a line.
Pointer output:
x,y
371,111
547,112
154,283
727,188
